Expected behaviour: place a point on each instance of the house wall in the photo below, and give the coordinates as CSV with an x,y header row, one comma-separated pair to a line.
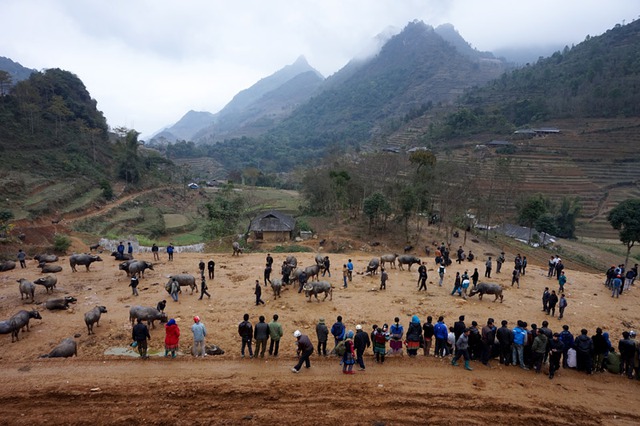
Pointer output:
x,y
275,236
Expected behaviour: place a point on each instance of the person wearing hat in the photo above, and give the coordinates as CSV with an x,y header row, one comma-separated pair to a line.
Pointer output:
x,y
380,338
305,350
199,332
348,358
323,335
361,342
172,338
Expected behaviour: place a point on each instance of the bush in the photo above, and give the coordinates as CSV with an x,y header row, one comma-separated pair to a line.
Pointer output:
x,y
61,243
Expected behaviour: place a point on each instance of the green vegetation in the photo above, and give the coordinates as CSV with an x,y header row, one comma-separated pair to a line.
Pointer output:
x,y
625,217
224,213
61,243
293,248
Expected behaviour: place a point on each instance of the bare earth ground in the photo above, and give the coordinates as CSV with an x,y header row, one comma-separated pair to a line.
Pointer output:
x,y
119,389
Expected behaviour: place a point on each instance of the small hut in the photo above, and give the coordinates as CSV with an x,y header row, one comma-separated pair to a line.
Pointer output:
x,y
272,226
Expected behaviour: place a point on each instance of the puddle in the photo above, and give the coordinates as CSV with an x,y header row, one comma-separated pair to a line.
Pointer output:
x,y
129,351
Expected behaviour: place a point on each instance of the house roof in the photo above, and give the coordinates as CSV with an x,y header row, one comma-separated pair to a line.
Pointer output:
x,y
272,221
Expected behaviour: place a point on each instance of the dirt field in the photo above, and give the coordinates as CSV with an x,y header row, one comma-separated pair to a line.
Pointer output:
x,y
120,389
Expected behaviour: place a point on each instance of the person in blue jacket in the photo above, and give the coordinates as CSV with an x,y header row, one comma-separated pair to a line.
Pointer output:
x,y
519,340
441,333
338,331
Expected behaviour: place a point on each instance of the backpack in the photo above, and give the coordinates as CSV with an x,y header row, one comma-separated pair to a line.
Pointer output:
x,y
341,348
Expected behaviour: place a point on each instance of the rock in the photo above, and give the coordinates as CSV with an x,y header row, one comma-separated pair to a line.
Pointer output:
x,y
298,240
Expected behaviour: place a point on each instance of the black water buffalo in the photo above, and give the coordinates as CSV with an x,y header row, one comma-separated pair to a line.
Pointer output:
x,y
315,288
93,317
487,288
407,259
185,280
67,348
388,258
237,250
276,286
82,259
138,267
27,289
123,256
49,282
372,267
7,265
17,322
147,314
46,258
59,303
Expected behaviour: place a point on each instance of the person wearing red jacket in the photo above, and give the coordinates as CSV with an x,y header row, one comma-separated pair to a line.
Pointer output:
x,y
171,338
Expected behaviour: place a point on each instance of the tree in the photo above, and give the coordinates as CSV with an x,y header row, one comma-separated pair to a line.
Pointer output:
x,y
625,217
6,216
5,82
565,220
531,210
374,206
224,212
129,165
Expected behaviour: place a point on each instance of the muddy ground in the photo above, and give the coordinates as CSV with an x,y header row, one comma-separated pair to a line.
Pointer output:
x,y
98,388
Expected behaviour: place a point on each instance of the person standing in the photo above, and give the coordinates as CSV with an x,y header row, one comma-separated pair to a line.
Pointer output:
x,y
562,280
600,348
345,275
120,250
170,251
556,349
505,339
199,333
627,349
269,259
275,333
561,305
201,266
524,265
616,284
267,274
349,356
414,336
487,268
322,332
211,266
129,249
553,301
427,330
350,269
140,335
172,338
361,342
519,339
457,285
245,330
174,290
545,299
441,272
22,259
462,350
305,350
441,334
422,277
204,288
397,332
383,279
567,340
552,267
475,277
134,285
380,337
538,349
515,277
499,261
261,335
338,330
459,327
258,293
154,250
584,352
326,265
488,337
302,280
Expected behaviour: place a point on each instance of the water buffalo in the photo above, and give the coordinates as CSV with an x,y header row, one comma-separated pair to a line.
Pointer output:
x,y
93,317
147,314
320,260
45,268
17,322
276,286
7,265
49,282
406,259
93,247
313,271
82,259
124,266
390,258
237,250
46,258
138,267
67,348
407,249
122,256
27,289
292,262
372,267
59,303
487,288
313,289
184,280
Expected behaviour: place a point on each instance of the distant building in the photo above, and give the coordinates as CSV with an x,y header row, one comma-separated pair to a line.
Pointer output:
x,y
417,148
495,143
193,185
272,226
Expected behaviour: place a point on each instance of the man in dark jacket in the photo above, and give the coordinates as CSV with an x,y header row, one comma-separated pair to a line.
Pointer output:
x,y
245,330
211,266
361,342
505,338
600,348
302,280
627,349
323,335
459,326
140,335
584,352
488,336
305,350
475,341
422,277
556,349
567,340
338,331
427,329
261,335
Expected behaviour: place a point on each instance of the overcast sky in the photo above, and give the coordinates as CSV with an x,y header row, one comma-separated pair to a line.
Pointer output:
x,y
148,62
